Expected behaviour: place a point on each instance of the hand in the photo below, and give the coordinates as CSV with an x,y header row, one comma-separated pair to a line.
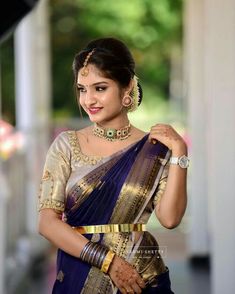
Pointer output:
x,y
169,137
125,276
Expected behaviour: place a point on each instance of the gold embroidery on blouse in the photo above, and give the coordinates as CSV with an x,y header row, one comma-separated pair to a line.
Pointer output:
x,y
49,185
46,176
77,153
51,203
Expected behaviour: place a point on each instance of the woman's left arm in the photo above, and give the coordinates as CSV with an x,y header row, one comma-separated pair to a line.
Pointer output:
x,y
171,208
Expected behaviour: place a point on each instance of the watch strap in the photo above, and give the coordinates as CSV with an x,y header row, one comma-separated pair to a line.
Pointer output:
x,y
174,160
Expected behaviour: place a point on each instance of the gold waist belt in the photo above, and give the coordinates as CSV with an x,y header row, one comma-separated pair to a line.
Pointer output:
x,y
110,228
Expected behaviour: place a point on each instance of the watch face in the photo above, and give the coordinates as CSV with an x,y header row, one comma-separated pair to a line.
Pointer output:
x,y
183,161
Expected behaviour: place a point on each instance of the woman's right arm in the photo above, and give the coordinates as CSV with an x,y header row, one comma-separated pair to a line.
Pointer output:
x,y
51,226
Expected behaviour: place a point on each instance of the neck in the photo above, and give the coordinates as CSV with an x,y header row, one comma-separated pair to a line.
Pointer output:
x,y
115,123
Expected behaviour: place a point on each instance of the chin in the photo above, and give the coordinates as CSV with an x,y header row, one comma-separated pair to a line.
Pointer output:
x,y
92,119
95,119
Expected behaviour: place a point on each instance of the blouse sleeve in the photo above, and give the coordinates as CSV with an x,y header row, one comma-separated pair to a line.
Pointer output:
x,y
55,175
161,186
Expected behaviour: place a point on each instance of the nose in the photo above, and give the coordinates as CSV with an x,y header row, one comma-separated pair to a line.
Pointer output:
x,y
89,98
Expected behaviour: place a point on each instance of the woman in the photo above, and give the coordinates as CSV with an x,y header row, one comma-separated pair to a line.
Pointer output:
x,y
101,184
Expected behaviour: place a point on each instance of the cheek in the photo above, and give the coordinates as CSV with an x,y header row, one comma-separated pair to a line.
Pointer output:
x,y
111,102
112,98
81,100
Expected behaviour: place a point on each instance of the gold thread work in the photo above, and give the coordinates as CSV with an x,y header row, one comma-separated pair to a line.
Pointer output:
x,y
78,155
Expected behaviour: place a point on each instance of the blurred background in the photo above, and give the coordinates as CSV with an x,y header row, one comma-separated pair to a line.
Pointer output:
x,y
185,58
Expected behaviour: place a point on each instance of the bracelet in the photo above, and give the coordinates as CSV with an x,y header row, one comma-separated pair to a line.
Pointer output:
x,y
97,255
107,261
85,250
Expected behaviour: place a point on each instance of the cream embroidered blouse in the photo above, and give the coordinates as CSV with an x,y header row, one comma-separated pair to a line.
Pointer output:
x,y
66,164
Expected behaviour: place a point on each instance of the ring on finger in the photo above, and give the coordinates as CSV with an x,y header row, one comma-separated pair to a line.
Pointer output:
x,y
129,290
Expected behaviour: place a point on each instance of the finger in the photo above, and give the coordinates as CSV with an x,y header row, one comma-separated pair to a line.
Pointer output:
x,y
163,129
130,290
159,134
153,129
122,290
141,282
123,287
159,131
160,126
169,131
154,137
120,283
136,288
136,278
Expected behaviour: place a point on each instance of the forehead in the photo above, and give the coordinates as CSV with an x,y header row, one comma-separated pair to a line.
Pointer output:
x,y
94,76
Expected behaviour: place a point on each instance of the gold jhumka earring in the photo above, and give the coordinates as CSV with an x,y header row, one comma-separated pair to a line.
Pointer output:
x,y
132,101
85,70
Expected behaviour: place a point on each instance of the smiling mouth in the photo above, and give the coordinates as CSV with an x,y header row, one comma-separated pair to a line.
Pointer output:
x,y
94,110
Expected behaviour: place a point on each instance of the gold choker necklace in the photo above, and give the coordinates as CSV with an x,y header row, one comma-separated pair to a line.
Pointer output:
x,y
111,134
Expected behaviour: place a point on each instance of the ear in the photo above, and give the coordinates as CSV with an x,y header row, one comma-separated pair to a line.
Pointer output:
x,y
129,88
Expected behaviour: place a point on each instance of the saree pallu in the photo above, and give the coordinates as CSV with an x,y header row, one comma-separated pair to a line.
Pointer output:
x,y
116,192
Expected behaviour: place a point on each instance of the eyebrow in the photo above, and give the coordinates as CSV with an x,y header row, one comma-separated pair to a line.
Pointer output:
x,y
95,84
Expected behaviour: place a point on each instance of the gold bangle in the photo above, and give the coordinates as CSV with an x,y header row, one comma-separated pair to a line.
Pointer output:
x,y
107,261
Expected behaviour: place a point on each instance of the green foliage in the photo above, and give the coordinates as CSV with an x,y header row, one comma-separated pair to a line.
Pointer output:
x,y
152,29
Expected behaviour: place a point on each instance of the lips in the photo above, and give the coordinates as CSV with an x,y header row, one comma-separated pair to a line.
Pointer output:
x,y
94,110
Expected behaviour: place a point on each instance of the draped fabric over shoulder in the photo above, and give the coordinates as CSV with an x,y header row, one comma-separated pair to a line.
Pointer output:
x,y
123,188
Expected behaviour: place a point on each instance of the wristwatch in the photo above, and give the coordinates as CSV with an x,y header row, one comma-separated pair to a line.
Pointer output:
x,y
182,161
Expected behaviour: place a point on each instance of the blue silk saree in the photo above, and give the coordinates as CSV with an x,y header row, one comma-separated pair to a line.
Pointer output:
x,y
123,189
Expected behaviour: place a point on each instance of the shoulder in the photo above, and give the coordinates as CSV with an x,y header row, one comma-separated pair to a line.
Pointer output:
x,y
67,142
62,143
138,133
61,139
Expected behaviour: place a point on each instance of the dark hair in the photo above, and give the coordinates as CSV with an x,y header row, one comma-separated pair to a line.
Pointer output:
x,y
111,57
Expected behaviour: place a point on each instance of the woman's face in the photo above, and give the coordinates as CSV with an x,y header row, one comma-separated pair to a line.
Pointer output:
x,y
100,97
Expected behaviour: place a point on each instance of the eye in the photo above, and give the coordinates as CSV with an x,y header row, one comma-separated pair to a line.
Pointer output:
x,y
100,89
81,89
